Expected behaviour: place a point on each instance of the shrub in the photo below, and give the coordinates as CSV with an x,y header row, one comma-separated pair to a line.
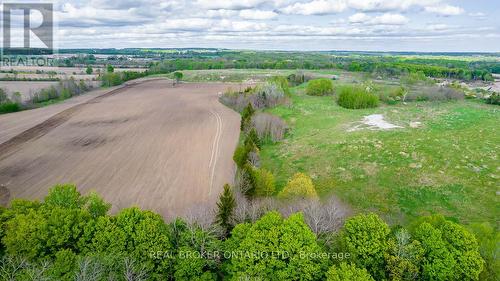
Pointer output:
x,y
269,127
435,94
349,272
9,107
493,99
354,97
298,78
319,87
264,182
300,186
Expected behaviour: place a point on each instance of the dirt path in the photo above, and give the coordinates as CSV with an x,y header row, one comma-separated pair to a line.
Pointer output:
x,y
161,148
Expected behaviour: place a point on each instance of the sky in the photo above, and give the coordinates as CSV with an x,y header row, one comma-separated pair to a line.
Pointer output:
x,y
355,25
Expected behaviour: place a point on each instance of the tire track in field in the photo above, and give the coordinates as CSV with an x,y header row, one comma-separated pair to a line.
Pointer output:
x,y
215,148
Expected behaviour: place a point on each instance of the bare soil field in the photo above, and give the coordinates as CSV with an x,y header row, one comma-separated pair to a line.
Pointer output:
x,y
26,88
163,148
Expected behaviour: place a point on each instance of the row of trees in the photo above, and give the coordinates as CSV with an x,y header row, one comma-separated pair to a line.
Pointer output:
x,y
72,237
386,66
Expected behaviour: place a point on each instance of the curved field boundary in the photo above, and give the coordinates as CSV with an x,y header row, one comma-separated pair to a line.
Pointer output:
x,y
15,143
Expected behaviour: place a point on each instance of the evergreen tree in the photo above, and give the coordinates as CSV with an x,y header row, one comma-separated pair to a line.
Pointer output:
x,y
226,206
246,116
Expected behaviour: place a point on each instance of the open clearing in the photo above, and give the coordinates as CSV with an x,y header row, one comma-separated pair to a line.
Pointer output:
x,y
152,145
444,159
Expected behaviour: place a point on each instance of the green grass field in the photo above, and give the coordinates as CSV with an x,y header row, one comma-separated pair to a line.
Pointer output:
x,y
448,165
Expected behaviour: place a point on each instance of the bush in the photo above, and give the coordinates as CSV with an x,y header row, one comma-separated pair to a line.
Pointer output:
x,y
9,107
493,99
319,87
349,272
435,94
300,186
264,182
353,97
269,127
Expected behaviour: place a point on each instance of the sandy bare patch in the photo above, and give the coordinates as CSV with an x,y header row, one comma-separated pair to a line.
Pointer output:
x,y
373,122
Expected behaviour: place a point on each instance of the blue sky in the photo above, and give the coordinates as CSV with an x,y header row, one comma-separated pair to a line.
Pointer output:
x,y
370,25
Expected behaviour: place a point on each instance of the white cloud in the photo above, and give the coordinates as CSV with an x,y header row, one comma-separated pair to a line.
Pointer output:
x,y
385,19
257,14
445,10
229,4
389,5
316,7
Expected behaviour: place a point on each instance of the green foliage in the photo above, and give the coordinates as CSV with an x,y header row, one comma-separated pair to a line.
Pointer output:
x,y
347,272
225,209
355,97
6,104
131,233
300,186
404,256
282,82
246,116
274,248
89,70
264,182
493,99
110,68
365,237
178,76
252,138
194,251
9,107
451,252
488,240
319,87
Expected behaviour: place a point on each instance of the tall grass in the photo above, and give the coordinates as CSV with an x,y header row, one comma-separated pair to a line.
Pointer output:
x,y
355,97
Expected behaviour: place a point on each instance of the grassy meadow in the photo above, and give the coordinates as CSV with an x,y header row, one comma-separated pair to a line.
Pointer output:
x,y
444,160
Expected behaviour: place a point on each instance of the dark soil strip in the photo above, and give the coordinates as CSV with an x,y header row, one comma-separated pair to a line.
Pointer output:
x,y
15,143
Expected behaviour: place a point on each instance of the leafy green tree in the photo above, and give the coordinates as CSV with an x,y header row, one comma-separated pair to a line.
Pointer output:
x,y
365,237
89,70
488,240
64,266
451,252
348,272
178,76
438,263
196,252
264,182
38,231
110,68
274,248
404,256
131,233
225,209
319,87
299,186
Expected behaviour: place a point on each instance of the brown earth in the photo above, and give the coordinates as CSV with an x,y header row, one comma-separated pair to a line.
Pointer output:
x,y
163,148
